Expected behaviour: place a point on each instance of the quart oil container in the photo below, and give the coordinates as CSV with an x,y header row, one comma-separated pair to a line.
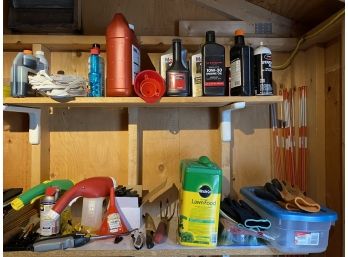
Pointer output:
x,y
199,202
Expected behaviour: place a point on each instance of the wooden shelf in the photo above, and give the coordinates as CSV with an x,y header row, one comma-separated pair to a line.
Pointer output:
x,y
148,43
138,102
106,248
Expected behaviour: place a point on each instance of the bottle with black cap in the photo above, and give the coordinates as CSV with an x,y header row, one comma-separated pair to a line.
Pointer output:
x,y
213,66
177,76
242,65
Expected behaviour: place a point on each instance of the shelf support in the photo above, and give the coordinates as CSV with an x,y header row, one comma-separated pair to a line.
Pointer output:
x,y
34,121
226,120
226,151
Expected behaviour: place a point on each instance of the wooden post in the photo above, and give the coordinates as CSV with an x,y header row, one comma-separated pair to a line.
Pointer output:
x,y
133,147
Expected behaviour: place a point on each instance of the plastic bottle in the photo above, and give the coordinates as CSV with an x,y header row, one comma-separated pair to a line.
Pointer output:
x,y
101,68
213,66
196,74
94,75
166,60
177,76
123,57
42,63
92,212
242,64
263,70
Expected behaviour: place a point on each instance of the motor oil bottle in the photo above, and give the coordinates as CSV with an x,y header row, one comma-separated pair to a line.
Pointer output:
x,y
177,76
263,70
200,197
213,66
166,60
123,57
196,74
241,69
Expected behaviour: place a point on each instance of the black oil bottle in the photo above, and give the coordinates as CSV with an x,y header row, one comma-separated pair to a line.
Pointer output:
x,y
177,76
213,67
242,64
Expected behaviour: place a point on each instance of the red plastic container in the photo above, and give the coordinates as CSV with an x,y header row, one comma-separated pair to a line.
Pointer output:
x,y
150,86
123,57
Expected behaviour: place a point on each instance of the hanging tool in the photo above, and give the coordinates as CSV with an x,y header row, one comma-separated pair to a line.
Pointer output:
x,y
161,233
150,229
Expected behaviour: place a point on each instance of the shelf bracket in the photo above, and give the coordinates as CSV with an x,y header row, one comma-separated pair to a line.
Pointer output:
x,y
226,119
34,121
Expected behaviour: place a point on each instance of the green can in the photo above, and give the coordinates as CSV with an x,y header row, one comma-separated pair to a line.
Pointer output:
x,y
199,202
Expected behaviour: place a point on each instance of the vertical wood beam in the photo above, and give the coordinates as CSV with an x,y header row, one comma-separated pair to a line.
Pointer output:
x,y
315,64
133,146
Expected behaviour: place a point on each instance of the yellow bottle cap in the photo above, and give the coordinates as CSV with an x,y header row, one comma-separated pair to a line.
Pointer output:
x,y
17,204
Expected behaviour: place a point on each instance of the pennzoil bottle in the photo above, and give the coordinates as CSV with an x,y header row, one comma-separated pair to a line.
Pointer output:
x,y
213,66
242,64
177,76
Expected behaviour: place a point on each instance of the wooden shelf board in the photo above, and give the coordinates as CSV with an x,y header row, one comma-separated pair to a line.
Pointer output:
x,y
106,248
138,102
148,43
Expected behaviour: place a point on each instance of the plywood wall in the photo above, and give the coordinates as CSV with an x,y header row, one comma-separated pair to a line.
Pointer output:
x,y
17,151
150,17
334,141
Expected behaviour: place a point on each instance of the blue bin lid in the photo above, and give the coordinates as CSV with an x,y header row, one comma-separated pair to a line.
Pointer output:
x,y
325,214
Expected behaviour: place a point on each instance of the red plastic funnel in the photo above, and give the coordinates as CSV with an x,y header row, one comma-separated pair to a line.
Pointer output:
x,y
149,86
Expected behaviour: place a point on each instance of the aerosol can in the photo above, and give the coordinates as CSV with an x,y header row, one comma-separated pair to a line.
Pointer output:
x,y
263,70
48,226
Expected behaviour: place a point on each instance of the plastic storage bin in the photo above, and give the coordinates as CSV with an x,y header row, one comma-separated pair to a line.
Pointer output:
x,y
295,232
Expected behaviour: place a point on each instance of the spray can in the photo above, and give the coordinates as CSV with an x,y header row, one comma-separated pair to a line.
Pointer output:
x,y
263,70
48,226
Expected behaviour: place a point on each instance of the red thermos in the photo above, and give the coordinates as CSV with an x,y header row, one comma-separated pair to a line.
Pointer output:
x,y
123,57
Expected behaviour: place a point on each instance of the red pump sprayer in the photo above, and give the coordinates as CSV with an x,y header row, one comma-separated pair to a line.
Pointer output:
x,y
90,188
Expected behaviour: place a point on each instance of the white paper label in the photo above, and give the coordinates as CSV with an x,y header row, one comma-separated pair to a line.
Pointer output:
x,y
135,62
114,222
236,74
196,75
166,62
306,238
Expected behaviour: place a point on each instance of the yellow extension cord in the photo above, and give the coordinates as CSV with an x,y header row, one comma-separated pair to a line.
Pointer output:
x,y
306,37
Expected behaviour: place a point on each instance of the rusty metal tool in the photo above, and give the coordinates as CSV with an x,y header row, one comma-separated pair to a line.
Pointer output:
x,y
162,230
150,230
